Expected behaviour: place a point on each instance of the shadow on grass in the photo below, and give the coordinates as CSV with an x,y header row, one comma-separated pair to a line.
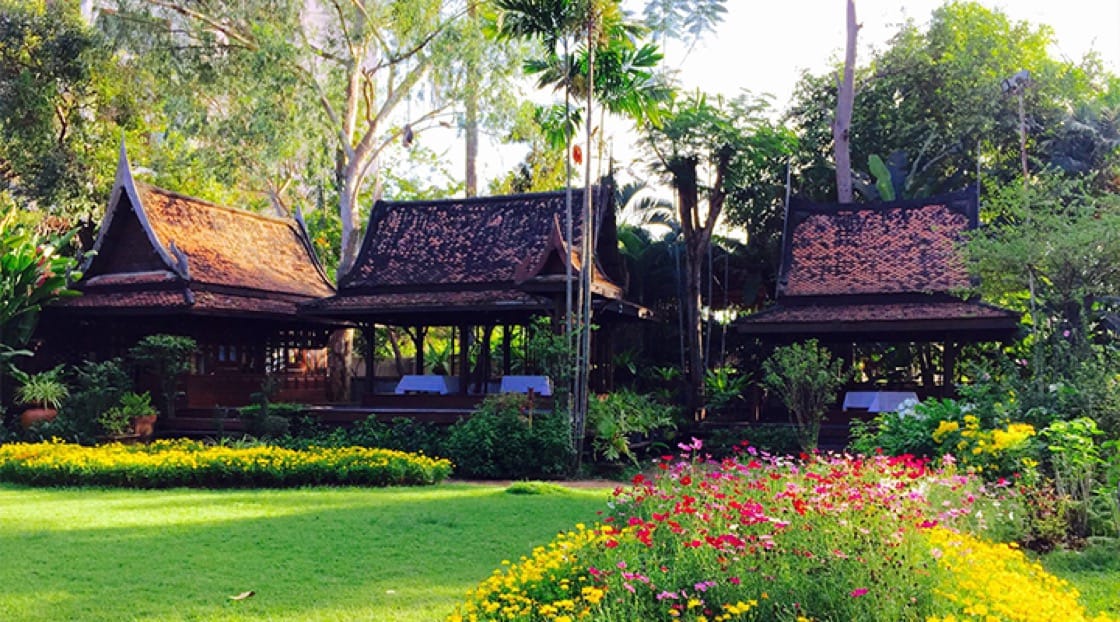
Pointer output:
x,y
313,554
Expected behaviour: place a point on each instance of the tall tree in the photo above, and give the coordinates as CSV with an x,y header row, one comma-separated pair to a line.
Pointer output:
x,y
841,137
729,143
368,76
59,108
932,99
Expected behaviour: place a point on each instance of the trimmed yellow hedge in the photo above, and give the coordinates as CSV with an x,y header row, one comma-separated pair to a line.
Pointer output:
x,y
165,464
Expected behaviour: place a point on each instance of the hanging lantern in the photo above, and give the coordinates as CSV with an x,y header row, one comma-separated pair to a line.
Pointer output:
x,y
577,154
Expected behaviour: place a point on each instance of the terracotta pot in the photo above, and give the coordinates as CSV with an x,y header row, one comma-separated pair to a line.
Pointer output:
x,y
32,416
144,426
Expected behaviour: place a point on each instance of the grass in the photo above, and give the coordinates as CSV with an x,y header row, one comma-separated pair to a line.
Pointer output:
x,y
1094,571
401,554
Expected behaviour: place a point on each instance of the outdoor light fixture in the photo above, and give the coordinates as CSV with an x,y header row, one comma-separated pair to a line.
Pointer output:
x,y
1016,83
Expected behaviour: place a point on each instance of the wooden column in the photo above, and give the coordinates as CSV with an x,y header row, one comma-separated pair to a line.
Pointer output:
x,y
507,349
418,342
949,373
465,333
370,333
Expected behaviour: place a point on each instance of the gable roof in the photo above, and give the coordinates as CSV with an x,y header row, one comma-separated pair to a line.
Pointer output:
x,y
502,254
884,248
465,241
158,250
879,272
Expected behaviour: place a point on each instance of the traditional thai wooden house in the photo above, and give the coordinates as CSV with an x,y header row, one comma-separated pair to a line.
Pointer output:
x,y
230,279
475,264
881,273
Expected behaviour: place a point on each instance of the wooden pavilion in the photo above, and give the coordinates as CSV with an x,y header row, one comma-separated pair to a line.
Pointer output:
x,y
475,264
880,273
231,279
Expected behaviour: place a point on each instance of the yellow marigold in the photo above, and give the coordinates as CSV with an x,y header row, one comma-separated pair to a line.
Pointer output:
x,y
944,429
997,581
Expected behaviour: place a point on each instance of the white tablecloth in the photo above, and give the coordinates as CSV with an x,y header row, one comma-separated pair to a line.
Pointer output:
x,y
521,384
877,401
422,384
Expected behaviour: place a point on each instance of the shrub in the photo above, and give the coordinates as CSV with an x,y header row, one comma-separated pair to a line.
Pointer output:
x,y
1075,461
616,418
981,439
268,420
164,464
505,438
775,439
806,380
98,386
167,357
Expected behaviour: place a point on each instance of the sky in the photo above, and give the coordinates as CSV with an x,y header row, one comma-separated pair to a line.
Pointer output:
x,y
764,45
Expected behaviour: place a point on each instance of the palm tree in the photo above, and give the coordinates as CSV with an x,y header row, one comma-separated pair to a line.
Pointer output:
x,y
607,63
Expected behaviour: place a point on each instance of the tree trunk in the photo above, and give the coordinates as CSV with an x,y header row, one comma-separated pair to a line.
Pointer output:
x,y
844,101
471,119
351,226
688,199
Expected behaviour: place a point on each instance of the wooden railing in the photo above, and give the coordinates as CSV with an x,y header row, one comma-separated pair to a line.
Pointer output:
x,y
236,388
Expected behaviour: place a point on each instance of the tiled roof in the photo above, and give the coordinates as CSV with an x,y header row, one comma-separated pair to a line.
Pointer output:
x,y
884,321
886,248
878,271
442,300
120,300
450,243
882,312
234,248
182,300
159,250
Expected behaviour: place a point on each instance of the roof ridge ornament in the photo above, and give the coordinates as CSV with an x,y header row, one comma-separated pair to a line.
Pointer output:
x,y
181,265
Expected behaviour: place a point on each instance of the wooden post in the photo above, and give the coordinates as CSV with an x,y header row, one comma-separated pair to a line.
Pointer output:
x,y
464,357
418,342
370,332
507,349
949,374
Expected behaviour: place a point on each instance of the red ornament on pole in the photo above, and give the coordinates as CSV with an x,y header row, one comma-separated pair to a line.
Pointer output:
x,y
577,154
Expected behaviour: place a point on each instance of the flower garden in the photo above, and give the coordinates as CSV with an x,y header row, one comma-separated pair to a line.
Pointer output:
x,y
760,537
165,464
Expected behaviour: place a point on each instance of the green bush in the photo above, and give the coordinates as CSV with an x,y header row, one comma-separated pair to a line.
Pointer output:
x,y
615,419
805,377
907,431
165,464
504,438
774,439
97,387
271,421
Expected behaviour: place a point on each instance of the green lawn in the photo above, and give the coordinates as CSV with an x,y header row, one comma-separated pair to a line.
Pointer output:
x,y
1095,572
399,554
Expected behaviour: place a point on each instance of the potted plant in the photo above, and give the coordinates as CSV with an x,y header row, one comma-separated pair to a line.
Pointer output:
x,y
44,392
133,415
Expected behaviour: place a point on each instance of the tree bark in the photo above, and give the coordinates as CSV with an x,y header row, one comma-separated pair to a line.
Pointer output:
x,y
841,127
471,119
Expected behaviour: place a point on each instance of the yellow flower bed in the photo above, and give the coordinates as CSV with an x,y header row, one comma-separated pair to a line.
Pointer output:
x,y
550,584
998,582
190,463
